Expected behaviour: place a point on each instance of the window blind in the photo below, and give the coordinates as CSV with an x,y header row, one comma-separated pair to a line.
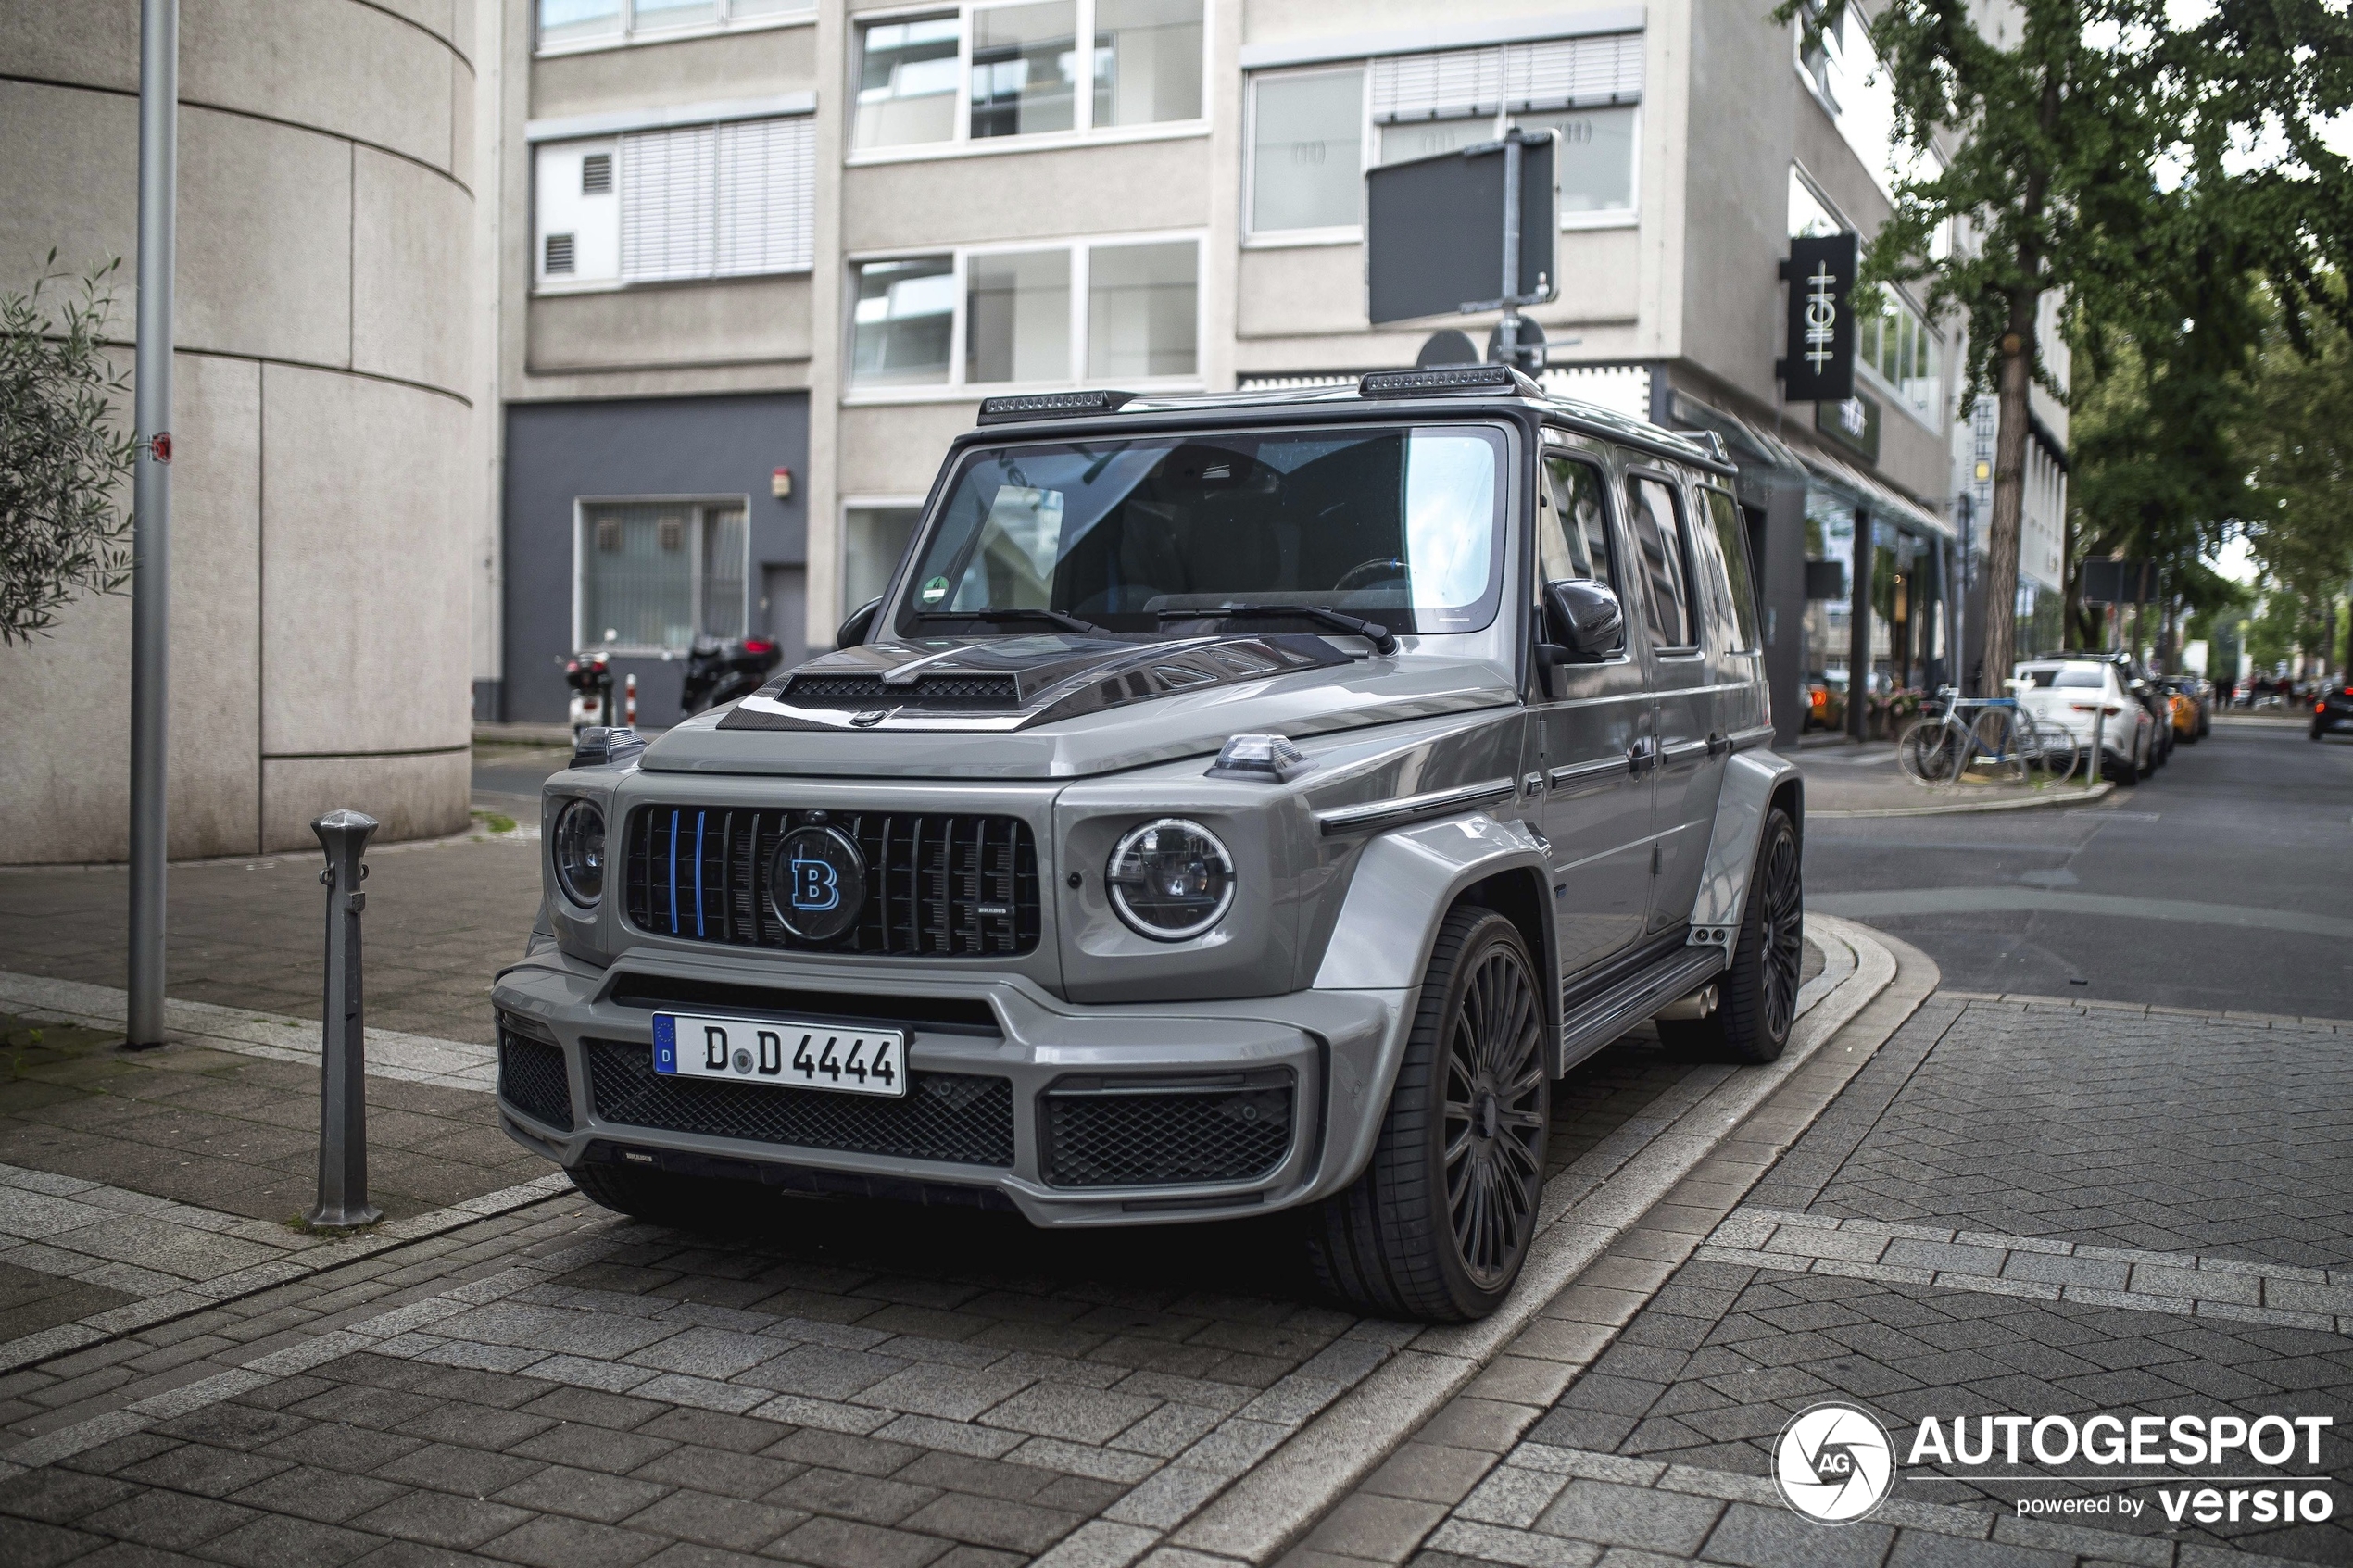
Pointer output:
x,y
767,195
668,188
1560,73
1437,86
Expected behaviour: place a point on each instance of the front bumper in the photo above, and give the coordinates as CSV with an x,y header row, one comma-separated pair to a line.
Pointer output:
x,y
1006,1082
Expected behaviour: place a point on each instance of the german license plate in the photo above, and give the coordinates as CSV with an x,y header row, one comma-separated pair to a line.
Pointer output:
x,y
763,1050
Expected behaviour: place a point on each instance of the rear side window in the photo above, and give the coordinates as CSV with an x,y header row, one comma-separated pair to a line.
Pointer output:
x,y
1731,540
2085,677
1657,526
1572,530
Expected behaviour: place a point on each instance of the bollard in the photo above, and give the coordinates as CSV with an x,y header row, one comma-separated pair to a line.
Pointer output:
x,y
629,718
2099,729
343,1060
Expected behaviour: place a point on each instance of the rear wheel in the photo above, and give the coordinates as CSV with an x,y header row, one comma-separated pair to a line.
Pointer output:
x,y
1930,752
1440,1223
1757,1000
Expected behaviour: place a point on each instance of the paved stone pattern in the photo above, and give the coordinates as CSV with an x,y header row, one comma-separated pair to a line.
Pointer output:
x,y
225,1131
2164,1132
2279,1294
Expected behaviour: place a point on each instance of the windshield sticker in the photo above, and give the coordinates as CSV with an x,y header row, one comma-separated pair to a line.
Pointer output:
x,y
934,590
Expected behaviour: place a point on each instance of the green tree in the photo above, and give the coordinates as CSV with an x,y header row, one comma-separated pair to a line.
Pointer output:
x,y
63,453
2297,433
2106,152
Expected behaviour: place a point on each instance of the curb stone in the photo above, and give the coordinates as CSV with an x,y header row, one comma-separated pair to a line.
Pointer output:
x,y
2062,797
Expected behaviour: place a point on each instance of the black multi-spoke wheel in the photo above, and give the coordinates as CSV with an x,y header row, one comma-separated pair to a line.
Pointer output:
x,y
1756,999
1438,1225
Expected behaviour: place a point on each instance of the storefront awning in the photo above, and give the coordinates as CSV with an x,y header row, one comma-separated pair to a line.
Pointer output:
x,y
1764,458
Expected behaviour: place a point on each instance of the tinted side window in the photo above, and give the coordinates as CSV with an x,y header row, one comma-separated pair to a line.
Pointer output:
x,y
1572,530
1731,538
1655,524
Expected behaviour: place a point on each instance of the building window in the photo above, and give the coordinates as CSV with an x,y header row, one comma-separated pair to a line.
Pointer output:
x,y
873,538
1306,151
570,23
993,317
653,575
1310,130
1900,348
1028,75
734,199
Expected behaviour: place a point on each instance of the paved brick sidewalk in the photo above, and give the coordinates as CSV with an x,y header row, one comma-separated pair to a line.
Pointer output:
x,y
1918,1253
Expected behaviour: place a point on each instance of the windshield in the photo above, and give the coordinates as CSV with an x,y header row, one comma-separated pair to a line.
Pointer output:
x,y
1397,526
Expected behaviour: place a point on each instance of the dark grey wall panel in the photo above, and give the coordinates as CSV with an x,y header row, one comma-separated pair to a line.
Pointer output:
x,y
559,452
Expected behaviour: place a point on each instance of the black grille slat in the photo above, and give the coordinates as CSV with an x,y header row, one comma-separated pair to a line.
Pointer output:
x,y
938,885
950,1117
532,1079
1093,1138
969,692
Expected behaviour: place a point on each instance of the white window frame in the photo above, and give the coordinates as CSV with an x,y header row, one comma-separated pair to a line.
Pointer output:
x,y
912,502
961,143
1368,132
956,389
703,505
617,141
1890,393
631,35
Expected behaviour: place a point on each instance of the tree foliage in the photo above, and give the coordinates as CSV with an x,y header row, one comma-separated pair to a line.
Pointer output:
x,y
2297,433
64,452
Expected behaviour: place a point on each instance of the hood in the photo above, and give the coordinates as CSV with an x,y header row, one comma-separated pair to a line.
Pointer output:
x,y
1061,705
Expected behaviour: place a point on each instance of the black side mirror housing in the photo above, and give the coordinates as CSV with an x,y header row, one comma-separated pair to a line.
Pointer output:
x,y
1583,621
861,622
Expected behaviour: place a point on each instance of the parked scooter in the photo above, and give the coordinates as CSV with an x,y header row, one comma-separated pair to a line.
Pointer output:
x,y
720,669
590,677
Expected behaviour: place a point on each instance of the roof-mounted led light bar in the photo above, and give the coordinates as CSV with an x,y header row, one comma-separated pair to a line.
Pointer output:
x,y
1446,380
1051,405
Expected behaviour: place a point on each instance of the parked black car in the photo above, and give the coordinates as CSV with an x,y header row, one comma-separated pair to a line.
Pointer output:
x,y
2332,708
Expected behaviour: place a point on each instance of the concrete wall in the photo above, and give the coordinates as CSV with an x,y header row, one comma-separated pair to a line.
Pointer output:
x,y
323,427
698,446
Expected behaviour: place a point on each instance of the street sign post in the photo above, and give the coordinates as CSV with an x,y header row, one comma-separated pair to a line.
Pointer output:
x,y
1820,366
1464,231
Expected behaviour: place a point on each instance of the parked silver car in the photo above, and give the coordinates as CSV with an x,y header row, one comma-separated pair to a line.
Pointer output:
x,y
1235,803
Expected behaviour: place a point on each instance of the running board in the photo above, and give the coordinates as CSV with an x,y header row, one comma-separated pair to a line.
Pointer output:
x,y
1603,1020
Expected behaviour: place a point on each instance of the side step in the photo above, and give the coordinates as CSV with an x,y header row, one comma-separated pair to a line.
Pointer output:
x,y
1602,1020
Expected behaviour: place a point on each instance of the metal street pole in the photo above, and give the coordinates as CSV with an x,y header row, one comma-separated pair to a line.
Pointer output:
x,y
342,1041
151,505
1507,330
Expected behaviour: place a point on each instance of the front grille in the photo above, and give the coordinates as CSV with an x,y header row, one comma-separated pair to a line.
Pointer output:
x,y
532,1079
979,692
1104,1132
946,1116
937,885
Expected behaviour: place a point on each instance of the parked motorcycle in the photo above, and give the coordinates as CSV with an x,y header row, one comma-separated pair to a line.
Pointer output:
x,y
722,669
590,677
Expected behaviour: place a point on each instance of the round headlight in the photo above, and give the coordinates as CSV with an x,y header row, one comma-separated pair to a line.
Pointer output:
x,y
1170,879
579,851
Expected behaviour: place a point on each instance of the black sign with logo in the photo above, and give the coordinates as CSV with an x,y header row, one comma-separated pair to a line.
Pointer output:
x,y
817,883
1851,421
1821,363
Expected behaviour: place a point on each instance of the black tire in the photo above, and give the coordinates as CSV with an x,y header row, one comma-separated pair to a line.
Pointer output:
x,y
2124,773
1421,1235
665,1198
1757,999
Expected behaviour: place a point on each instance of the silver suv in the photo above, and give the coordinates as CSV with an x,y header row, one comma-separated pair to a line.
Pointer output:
x,y
1236,804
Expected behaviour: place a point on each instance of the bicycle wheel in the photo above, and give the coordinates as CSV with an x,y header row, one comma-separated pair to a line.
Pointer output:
x,y
1995,756
1930,752
2051,746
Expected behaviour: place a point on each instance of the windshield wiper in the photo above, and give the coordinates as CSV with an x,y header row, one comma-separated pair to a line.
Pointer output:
x,y
1372,632
1052,617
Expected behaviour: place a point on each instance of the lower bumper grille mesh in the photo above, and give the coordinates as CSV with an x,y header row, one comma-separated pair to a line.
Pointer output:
x,y
532,1079
1097,1136
947,1116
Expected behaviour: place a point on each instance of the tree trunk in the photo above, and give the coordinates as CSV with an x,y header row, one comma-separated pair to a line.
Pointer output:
x,y
2009,495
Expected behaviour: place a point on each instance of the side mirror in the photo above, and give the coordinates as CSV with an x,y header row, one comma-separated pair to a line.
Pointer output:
x,y
1583,621
854,630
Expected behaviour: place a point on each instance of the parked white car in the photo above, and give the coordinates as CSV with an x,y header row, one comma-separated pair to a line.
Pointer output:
x,y
2070,693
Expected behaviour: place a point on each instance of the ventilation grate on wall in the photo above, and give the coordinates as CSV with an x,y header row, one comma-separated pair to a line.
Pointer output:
x,y
558,255
596,174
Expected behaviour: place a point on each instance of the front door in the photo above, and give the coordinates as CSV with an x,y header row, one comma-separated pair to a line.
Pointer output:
x,y
1588,735
1690,743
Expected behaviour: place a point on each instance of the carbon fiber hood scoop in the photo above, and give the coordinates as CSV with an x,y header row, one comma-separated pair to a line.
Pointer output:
x,y
1006,684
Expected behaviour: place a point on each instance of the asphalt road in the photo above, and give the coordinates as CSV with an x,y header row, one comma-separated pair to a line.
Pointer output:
x,y
2220,883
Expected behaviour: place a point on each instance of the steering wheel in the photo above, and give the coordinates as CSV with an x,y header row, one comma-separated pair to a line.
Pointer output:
x,y
1391,565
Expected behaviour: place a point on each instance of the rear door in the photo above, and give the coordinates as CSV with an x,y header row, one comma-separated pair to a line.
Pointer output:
x,y
1591,730
1688,766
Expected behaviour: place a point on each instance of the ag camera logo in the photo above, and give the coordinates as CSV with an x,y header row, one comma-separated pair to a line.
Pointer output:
x,y
1834,1463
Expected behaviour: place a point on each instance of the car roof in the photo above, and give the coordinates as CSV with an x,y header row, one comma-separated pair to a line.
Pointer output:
x,y
1000,418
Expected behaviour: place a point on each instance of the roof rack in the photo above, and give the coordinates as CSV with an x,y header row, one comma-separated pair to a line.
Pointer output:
x,y
1051,405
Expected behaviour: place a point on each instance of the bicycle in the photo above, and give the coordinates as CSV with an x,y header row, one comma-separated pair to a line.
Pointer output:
x,y
2000,743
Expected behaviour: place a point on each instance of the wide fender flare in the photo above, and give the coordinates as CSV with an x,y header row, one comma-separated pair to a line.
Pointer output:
x,y
1405,882
1751,780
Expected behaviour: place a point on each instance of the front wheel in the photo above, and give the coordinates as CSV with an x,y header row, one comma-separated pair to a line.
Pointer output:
x,y
1757,1000
1440,1223
1930,752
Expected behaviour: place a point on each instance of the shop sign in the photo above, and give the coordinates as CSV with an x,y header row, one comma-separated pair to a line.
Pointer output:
x,y
1819,363
1852,423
